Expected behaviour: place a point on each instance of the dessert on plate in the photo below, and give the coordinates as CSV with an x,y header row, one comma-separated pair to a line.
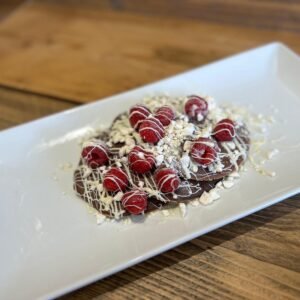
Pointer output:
x,y
160,154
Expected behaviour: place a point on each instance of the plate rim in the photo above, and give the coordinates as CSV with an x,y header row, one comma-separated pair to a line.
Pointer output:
x,y
196,233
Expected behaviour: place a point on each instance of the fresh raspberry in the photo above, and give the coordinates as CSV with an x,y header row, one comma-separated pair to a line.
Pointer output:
x,y
196,108
224,131
204,151
167,180
115,180
140,160
135,201
95,153
165,115
137,114
151,130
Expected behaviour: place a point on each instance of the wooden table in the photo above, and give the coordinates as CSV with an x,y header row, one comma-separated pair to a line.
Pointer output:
x,y
55,55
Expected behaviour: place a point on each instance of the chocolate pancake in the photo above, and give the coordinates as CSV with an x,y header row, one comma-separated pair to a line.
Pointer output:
x,y
194,178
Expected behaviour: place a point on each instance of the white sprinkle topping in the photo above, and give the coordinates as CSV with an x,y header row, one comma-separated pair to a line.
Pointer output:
x,y
205,199
141,155
165,212
231,145
100,218
189,130
159,159
219,185
118,196
208,198
127,221
272,153
195,202
141,184
214,194
227,183
183,209
200,117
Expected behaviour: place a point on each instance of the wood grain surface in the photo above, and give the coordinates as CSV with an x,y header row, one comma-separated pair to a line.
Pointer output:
x,y
8,6
55,55
83,53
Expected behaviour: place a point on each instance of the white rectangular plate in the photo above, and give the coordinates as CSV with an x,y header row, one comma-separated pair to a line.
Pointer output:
x,y
50,243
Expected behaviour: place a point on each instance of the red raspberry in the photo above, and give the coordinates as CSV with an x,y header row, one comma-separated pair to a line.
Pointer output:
x,y
224,131
204,151
115,180
167,180
196,108
135,201
165,115
137,114
140,160
151,130
95,153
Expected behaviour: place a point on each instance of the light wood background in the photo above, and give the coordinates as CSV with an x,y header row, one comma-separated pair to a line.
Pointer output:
x,y
55,55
